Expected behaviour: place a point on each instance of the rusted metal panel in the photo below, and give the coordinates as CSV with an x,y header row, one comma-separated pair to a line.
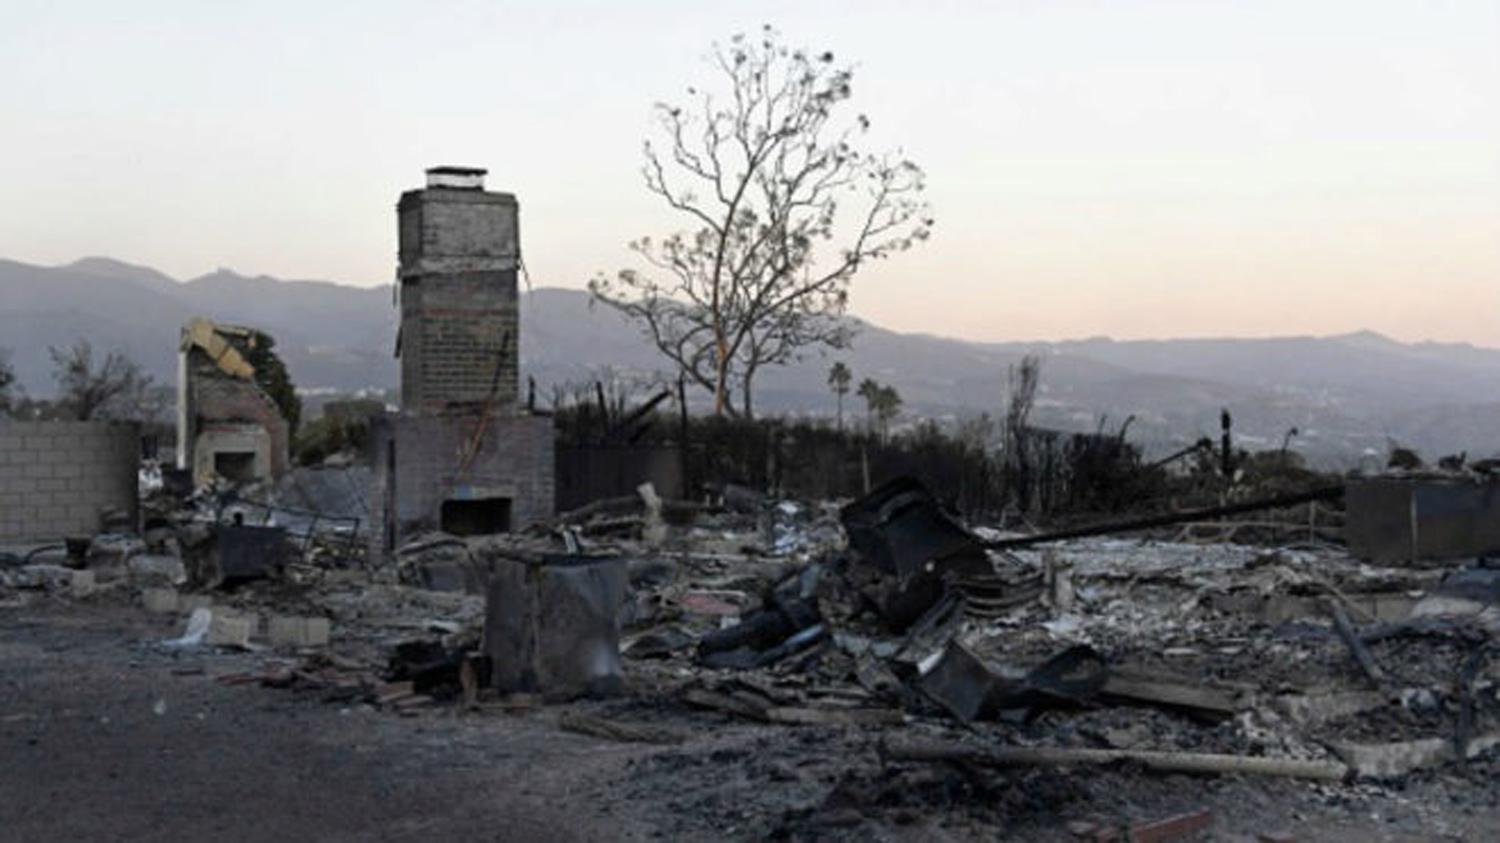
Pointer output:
x,y
1406,519
553,627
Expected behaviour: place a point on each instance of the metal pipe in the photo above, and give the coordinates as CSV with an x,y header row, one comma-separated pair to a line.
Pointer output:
x,y
1170,519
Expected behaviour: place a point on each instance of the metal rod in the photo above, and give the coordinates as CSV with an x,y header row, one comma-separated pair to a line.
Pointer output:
x,y
1172,518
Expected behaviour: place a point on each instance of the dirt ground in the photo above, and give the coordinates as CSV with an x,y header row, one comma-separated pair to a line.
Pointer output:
x,y
105,735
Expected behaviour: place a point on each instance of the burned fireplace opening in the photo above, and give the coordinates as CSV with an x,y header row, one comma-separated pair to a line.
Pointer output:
x,y
479,517
235,466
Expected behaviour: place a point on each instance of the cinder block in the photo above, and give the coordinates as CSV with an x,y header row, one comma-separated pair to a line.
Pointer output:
x,y
226,630
83,583
161,601
292,631
187,603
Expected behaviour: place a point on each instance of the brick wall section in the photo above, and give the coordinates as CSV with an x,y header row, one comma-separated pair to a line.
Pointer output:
x,y
57,477
515,460
217,397
460,327
459,333
459,349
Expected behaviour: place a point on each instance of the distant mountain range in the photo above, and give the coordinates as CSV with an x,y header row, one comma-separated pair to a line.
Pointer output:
x,y
1344,394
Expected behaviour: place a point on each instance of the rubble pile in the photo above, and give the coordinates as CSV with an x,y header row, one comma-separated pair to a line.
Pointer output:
x,y
894,641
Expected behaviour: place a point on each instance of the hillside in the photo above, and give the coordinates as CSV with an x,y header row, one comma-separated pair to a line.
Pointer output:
x,y
1343,393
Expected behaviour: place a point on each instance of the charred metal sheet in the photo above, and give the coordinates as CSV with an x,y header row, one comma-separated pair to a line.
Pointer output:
x,y
247,553
902,531
787,624
758,639
552,627
901,528
1406,519
971,689
959,682
1481,585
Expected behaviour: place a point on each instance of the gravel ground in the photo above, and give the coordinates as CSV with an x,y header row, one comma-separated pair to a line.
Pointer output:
x,y
106,736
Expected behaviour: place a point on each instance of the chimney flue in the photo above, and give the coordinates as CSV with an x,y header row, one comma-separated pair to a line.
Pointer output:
x,y
456,178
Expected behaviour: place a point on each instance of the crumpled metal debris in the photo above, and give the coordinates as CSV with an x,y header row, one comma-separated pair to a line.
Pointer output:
x,y
552,626
971,689
901,532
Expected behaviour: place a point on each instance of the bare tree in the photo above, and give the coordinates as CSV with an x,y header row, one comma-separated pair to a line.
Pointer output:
x,y
782,211
839,378
117,388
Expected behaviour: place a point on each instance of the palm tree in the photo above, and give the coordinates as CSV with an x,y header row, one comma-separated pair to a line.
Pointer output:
x,y
839,378
887,407
870,391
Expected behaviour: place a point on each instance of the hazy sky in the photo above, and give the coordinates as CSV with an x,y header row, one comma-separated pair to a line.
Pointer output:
x,y
1123,168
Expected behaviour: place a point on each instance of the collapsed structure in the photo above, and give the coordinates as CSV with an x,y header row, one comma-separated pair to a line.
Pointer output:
x,y
227,424
462,455
1347,637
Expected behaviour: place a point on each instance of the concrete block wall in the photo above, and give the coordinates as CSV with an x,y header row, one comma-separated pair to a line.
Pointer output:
x,y
57,477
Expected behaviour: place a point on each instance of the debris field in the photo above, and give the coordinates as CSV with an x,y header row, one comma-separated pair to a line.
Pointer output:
x,y
867,669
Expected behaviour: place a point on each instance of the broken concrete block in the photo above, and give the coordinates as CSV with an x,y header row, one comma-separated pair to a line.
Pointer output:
x,y
156,570
1393,760
654,532
160,601
188,603
1317,710
82,584
225,630
113,549
292,631
1059,581
46,577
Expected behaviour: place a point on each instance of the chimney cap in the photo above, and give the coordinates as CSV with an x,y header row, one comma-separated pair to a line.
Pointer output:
x,y
455,177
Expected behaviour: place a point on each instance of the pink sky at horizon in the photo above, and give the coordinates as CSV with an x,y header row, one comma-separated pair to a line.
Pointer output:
x,y
1131,169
